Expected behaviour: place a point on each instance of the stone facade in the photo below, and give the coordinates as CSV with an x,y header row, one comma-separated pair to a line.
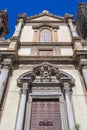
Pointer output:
x,y
43,74
81,21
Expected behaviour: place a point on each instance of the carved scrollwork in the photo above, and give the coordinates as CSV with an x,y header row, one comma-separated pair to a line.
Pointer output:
x,y
46,74
45,123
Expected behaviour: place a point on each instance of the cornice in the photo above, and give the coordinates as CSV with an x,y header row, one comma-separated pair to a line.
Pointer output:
x,y
46,44
3,52
45,21
8,54
80,52
51,59
45,14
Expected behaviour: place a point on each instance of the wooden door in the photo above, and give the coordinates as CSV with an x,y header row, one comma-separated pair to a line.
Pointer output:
x,y
45,115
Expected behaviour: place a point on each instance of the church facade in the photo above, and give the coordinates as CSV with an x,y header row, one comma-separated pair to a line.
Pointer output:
x,y
43,74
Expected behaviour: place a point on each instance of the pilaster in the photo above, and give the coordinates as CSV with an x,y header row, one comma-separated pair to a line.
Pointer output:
x,y
75,37
21,111
70,115
18,27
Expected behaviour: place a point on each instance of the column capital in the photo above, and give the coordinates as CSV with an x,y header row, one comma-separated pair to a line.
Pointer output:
x,y
7,62
22,17
70,20
82,63
68,17
67,88
24,88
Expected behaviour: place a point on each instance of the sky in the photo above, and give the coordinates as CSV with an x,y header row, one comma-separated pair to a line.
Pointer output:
x,y
32,7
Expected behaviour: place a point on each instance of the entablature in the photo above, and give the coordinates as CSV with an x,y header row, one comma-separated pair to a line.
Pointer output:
x,y
46,43
51,59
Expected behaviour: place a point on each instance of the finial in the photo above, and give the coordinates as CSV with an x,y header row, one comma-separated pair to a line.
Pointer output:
x,y
45,12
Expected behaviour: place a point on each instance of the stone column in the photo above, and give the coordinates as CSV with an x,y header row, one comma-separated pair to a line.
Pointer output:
x,y
4,76
18,27
69,106
84,72
72,29
21,112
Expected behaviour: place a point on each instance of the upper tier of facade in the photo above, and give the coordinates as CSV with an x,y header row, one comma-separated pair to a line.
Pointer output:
x,y
43,35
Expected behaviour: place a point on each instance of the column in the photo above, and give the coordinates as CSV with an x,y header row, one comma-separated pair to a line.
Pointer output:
x,y
18,27
21,112
4,76
72,29
69,106
84,72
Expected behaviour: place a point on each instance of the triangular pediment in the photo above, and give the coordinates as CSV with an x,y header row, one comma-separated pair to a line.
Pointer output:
x,y
45,16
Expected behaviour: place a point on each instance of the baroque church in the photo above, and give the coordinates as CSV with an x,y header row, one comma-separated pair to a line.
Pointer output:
x,y
43,72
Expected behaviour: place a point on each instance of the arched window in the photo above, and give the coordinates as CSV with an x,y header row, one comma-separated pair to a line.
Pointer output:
x,y
45,35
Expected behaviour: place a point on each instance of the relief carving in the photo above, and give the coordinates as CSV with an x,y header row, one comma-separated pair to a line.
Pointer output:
x,y
45,76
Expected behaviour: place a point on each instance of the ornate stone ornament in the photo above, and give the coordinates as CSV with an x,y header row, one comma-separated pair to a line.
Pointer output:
x,y
45,75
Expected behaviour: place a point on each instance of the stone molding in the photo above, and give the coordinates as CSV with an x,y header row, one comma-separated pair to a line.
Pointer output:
x,y
45,25
45,14
49,70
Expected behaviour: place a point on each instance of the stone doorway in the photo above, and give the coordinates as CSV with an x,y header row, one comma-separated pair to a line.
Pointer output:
x,y
45,115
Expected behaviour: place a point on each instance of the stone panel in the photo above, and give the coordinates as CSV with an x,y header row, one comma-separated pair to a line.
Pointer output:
x,y
63,34
27,34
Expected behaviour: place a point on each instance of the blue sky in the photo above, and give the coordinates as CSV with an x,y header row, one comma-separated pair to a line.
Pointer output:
x,y
32,7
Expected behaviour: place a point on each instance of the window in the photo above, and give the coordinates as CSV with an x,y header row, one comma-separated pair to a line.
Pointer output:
x,y
45,52
45,35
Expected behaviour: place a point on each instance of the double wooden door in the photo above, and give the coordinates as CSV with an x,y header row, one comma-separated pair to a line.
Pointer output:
x,y
45,115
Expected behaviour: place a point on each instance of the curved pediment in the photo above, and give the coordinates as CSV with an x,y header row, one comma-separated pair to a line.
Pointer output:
x,y
45,73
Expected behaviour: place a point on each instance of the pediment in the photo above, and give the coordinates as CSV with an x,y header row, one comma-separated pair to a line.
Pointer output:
x,y
45,73
46,16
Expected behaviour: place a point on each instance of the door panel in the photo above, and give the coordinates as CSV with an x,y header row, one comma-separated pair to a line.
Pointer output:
x,y
45,115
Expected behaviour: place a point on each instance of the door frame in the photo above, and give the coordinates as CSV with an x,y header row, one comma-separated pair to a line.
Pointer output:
x,y
46,95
